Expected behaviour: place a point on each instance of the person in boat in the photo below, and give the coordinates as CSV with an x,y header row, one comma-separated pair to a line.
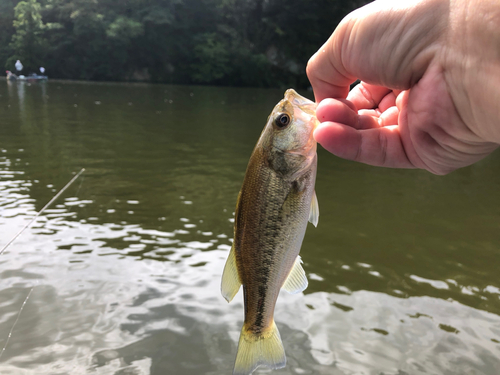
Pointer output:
x,y
10,76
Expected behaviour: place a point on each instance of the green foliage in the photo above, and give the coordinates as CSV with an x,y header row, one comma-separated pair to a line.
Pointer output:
x,y
124,29
226,42
28,41
212,58
6,29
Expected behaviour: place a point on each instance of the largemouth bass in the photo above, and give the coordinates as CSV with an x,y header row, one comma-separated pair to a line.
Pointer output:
x,y
275,203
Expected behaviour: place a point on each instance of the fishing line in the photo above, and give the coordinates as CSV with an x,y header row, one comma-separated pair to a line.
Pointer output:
x,y
79,187
18,234
43,209
15,322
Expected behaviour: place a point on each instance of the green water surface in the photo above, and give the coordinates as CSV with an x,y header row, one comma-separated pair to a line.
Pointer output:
x,y
123,271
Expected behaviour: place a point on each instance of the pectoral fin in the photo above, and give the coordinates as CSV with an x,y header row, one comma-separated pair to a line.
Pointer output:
x,y
297,280
230,279
314,213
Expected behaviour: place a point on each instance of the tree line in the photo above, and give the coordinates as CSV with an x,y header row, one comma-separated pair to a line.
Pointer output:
x,y
263,43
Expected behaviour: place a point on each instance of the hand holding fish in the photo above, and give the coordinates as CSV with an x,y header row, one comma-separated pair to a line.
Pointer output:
x,y
429,95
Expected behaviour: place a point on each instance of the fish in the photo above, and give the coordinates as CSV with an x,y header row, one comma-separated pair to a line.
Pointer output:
x,y
275,202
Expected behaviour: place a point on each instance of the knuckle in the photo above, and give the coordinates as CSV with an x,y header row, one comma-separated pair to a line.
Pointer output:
x,y
310,67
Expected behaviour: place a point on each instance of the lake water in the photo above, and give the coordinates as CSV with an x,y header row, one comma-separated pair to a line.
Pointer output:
x,y
123,271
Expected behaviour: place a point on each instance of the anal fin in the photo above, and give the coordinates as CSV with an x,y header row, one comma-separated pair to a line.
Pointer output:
x,y
296,281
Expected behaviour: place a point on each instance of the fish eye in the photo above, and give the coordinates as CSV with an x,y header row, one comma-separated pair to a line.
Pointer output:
x,y
282,120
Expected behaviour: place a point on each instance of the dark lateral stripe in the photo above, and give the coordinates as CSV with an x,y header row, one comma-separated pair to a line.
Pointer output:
x,y
268,212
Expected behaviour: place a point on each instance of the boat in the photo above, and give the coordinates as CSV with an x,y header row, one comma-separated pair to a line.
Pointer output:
x,y
31,78
34,77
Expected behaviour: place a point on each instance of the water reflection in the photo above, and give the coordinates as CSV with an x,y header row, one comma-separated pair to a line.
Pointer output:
x,y
125,268
16,89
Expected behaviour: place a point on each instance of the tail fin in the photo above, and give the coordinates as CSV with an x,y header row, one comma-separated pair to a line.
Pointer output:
x,y
253,351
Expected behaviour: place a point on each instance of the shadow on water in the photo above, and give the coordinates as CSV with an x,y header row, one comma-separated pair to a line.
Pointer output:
x,y
189,349
193,347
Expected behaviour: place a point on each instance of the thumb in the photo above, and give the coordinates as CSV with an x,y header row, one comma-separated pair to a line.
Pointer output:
x,y
385,43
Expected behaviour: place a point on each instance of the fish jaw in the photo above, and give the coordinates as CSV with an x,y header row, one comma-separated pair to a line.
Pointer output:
x,y
300,102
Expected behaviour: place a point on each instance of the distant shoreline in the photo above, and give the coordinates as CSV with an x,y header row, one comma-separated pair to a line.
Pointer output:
x,y
141,83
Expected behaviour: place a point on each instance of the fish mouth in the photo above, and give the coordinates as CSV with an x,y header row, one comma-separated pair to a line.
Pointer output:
x,y
303,103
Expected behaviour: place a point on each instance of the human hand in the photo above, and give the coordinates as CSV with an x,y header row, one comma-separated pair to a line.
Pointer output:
x,y
430,91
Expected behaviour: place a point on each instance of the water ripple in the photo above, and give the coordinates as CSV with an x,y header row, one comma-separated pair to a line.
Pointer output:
x,y
125,269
